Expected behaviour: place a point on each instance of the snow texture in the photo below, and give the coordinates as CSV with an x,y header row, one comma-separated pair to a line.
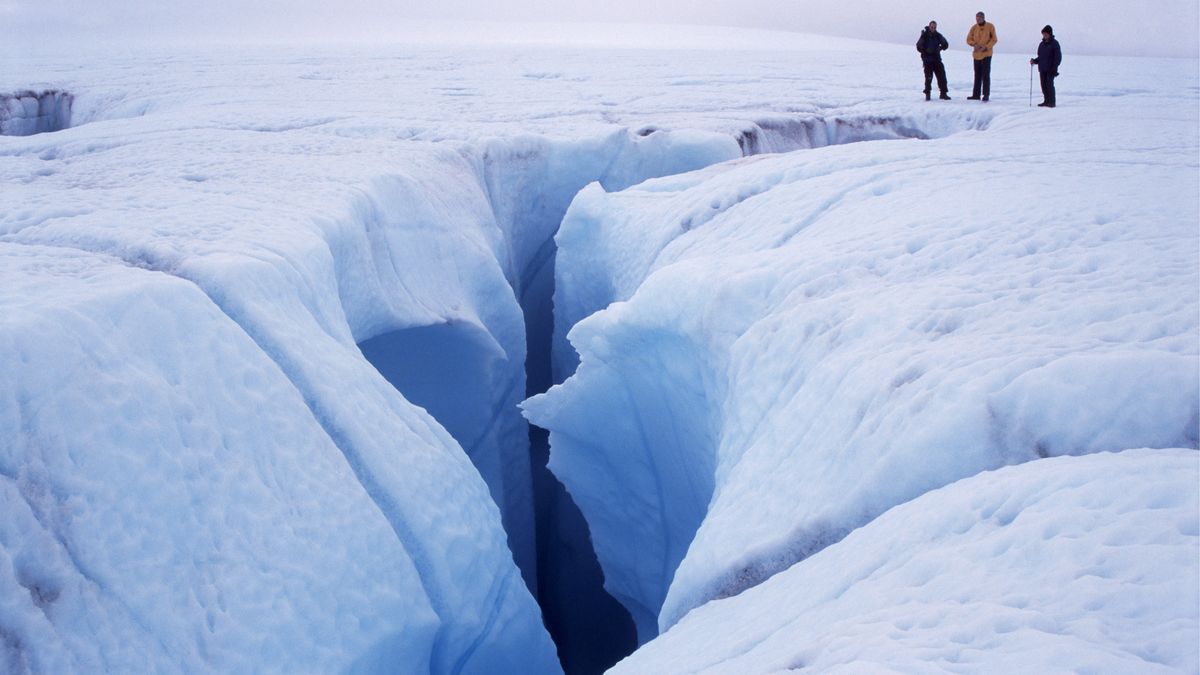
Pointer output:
x,y
1068,564
779,349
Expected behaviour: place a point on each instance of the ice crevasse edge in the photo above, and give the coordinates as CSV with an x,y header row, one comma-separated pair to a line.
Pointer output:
x,y
774,352
31,112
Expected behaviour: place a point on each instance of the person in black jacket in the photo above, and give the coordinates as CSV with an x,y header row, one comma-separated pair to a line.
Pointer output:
x,y
1048,59
931,44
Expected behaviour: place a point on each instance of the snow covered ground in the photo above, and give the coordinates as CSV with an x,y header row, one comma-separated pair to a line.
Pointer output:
x,y
1068,564
265,314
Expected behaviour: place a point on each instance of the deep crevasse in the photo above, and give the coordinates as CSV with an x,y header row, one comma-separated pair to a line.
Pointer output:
x,y
438,244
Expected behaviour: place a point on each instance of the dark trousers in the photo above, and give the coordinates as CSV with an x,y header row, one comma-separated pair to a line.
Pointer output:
x,y
983,77
936,68
1047,88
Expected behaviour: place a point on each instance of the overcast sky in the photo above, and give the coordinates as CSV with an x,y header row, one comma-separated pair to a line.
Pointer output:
x,y
1122,27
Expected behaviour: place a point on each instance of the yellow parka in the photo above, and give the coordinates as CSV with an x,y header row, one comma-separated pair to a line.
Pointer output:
x,y
984,36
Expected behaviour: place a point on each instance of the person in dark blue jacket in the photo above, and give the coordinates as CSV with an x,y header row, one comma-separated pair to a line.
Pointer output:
x,y
1049,56
931,44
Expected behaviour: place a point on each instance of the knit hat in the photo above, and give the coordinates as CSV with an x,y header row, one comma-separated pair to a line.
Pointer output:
x,y
1049,30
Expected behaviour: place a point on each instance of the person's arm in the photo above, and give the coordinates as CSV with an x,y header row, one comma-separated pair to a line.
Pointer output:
x,y
994,40
1057,56
944,44
971,37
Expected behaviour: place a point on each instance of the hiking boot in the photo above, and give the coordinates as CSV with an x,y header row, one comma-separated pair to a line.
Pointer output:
x,y
972,98
985,99
926,96
944,96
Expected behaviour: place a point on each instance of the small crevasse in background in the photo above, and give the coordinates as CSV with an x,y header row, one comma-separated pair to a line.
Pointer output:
x,y
29,112
786,133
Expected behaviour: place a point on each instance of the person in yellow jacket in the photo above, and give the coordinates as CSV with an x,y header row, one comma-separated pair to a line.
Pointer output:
x,y
982,38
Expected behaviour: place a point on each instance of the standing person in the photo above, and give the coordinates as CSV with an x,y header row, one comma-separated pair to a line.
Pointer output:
x,y
931,44
982,38
1048,59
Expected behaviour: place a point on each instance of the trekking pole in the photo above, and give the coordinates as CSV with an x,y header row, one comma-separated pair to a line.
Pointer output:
x,y
1031,85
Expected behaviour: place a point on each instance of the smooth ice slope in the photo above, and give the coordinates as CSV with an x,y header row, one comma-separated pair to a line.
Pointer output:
x,y
800,342
1069,564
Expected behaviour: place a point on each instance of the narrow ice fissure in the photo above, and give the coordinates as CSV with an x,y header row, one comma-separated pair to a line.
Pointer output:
x,y
591,629
448,369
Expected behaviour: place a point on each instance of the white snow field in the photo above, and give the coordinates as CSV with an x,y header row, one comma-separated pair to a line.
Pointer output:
x,y
265,317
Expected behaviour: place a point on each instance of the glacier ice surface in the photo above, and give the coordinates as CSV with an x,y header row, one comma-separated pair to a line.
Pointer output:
x,y
206,473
